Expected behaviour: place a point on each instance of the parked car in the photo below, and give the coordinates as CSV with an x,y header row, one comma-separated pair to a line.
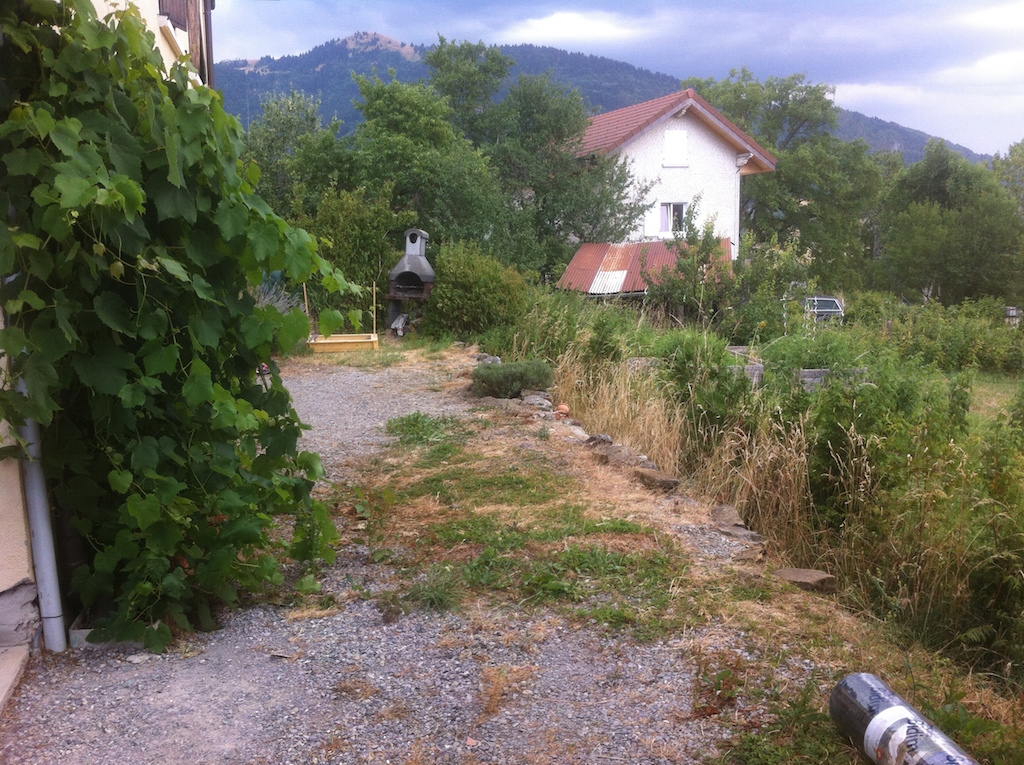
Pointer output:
x,y
823,307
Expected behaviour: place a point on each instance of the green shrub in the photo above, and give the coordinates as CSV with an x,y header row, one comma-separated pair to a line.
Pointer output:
x,y
705,376
473,293
509,380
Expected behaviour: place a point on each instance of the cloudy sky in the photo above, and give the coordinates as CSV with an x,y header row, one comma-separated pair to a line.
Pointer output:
x,y
951,68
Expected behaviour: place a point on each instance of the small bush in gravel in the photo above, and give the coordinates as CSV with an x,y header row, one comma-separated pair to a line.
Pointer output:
x,y
438,590
509,380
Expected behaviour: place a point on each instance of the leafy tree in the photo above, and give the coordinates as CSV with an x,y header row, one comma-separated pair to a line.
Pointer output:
x,y
763,291
469,76
553,199
553,196
298,157
781,112
1010,171
357,233
695,287
951,231
408,141
822,189
133,238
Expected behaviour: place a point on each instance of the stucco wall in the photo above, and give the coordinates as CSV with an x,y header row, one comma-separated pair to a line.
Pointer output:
x,y
15,551
710,170
18,613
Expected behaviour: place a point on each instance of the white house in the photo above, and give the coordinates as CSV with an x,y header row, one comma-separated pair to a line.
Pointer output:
x,y
685,148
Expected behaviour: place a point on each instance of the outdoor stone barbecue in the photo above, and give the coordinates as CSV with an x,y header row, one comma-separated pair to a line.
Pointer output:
x,y
413,277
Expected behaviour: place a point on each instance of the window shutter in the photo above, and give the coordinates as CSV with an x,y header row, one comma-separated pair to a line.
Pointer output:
x,y
676,149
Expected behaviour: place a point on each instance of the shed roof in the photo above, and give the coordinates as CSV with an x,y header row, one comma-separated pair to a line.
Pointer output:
x,y
617,269
612,131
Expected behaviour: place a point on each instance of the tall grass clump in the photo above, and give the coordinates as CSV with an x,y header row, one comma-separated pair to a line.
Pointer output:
x,y
625,400
557,321
708,382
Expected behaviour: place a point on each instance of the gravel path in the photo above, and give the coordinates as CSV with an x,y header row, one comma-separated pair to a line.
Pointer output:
x,y
349,408
477,687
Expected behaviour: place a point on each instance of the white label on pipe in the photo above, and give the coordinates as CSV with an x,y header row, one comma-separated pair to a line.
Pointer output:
x,y
900,736
880,723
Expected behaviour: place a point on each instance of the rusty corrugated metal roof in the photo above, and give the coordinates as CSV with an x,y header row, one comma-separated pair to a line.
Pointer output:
x,y
611,130
618,269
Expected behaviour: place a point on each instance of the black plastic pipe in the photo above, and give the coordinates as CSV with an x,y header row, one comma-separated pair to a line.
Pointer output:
x,y
886,728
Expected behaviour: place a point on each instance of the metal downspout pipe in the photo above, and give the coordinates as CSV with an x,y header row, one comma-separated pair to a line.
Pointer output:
x,y
44,557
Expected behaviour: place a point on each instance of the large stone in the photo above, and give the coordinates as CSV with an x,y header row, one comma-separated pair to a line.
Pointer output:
x,y
725,515
742,533
537,402
808,579
655,479
615,454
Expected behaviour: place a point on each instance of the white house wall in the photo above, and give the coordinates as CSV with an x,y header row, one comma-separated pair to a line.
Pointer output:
x,y
710,170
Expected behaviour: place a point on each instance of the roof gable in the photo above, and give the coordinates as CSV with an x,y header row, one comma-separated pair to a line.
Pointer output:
x,y
612,131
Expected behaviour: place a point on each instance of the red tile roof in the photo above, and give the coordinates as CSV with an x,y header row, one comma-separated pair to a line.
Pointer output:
x,y
617,269
611,131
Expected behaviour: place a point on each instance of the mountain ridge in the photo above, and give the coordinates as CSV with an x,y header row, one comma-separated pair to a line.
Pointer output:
x,y
326,70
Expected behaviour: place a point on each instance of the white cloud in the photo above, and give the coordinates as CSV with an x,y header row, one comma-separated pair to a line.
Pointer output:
x,y
1000,70
570,27
971,117
1005,18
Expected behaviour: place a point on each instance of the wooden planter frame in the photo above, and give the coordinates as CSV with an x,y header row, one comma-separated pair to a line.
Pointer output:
x,y
366,341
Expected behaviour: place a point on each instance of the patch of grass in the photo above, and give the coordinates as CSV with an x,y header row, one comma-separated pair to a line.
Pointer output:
x,y
550,579
438,590
419,429
569,520
491,570
380,359
443,437
800,734
610,615
507,532
479,529
990,395
471,486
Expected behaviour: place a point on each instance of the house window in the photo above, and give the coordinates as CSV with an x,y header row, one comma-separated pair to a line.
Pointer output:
x,y
672,216
676,149
176,11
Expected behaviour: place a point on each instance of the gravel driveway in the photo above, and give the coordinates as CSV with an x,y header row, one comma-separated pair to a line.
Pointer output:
x,y
477,687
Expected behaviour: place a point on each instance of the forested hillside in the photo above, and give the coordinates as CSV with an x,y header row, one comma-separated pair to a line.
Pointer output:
x,y
326,73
